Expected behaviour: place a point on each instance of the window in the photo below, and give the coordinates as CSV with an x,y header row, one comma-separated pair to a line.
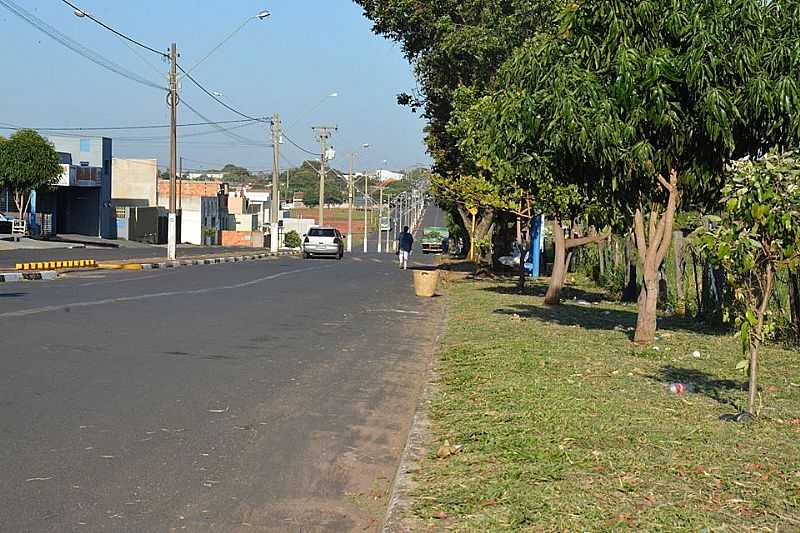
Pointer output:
x,y
322,232
86,145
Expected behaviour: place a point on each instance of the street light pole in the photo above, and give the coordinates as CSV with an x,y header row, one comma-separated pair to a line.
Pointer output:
x,y
172,230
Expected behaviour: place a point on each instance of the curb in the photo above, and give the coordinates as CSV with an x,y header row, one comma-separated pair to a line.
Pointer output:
x,y
191,262
9,277
27,275
54,265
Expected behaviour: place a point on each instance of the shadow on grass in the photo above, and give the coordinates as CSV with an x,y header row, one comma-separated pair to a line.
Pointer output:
x,y
538,289
580,308
702,382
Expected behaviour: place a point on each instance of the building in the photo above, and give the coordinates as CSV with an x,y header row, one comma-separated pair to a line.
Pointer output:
x,y
134,182
387,176
80,202
204,175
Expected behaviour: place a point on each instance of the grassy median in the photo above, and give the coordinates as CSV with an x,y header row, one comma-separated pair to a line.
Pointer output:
x,y
554,421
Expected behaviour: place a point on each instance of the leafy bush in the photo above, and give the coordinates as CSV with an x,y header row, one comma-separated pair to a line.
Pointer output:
x,y
292,239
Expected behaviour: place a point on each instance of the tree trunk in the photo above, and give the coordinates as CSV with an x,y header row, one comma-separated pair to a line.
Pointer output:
x,y
680,273
563,255
629,293
601,257
652,248
755,339
794,301
553,295
484,227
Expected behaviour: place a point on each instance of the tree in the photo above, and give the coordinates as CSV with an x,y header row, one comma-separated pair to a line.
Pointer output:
x,y
640,105
27,162
455,44
236,175
757,235
306,179
292,239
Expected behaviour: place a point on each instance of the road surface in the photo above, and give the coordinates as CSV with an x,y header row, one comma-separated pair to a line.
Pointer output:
x,y
264,396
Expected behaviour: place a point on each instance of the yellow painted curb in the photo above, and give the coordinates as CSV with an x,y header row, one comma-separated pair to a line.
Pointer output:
x,y
132,266
109,266
53,265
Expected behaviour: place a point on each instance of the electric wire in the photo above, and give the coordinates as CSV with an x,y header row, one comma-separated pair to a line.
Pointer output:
x,y
244,122
214,97
244,140
75,46
112,30
298,146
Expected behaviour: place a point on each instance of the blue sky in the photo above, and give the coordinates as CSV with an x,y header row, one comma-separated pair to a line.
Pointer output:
x,y
287,64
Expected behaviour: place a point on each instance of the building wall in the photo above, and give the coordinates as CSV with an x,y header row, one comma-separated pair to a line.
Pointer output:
x,y
187,189
92,152
134,182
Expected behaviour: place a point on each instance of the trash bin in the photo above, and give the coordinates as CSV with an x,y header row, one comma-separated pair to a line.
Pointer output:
x,y
425,282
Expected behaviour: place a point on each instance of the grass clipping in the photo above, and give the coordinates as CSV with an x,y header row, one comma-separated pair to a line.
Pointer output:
x,y
549,419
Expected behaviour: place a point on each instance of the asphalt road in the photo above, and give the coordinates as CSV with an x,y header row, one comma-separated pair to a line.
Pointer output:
x,y
265,396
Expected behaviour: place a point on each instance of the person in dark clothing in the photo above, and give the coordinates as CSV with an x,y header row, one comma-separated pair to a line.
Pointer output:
x,y
404,244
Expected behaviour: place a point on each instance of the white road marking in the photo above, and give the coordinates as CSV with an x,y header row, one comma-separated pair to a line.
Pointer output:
x,y
357,259
162,274
46,309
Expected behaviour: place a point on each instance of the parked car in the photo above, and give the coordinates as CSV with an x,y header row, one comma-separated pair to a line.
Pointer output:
x,y
323,241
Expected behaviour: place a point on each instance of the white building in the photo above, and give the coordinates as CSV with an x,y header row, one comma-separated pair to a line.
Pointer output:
x,y
388,175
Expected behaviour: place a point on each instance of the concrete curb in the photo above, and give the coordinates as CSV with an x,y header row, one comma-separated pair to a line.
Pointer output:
x,y
9,277
52,274
192,262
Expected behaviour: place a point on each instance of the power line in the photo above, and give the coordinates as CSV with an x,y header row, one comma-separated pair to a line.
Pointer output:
x,y
142,127
209,93
80,12
75,46
234,136
298,146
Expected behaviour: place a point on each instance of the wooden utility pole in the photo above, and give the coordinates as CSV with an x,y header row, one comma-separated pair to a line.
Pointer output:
x,y
275,204
173,153
324,133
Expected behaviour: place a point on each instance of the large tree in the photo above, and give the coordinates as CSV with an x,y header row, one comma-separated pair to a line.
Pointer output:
x,y
456,44
27,162
644,102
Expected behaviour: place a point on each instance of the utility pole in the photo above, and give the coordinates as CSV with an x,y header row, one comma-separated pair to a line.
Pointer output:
x,y
324,133
275,204
380,217
350,187
172,232
180,185
366,196
389,219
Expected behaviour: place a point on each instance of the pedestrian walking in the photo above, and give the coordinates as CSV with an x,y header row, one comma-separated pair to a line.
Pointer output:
x,y
405,241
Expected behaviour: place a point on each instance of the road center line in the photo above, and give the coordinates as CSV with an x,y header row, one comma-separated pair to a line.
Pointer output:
x,y
49,308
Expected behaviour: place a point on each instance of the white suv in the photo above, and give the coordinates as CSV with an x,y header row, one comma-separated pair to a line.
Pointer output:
x,y
323,241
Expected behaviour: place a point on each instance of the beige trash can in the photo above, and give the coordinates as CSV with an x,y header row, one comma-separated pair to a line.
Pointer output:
x,y
425,282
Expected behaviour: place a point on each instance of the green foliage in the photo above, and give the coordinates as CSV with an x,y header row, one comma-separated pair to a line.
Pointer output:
x,y
306,179
629,90
292,239
236,175
27,162
758,233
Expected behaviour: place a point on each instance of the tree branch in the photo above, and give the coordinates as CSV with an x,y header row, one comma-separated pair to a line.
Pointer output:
x,y
574,243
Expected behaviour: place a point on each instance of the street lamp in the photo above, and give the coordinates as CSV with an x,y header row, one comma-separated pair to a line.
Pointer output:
x,y
350,189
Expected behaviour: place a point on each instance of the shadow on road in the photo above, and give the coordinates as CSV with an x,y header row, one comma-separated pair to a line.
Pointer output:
x,y
12,294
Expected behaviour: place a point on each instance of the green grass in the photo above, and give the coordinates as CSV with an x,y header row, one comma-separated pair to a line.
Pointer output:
x,y
566,426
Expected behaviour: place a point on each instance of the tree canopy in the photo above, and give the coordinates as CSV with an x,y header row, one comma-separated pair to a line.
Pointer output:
x,y
27,162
